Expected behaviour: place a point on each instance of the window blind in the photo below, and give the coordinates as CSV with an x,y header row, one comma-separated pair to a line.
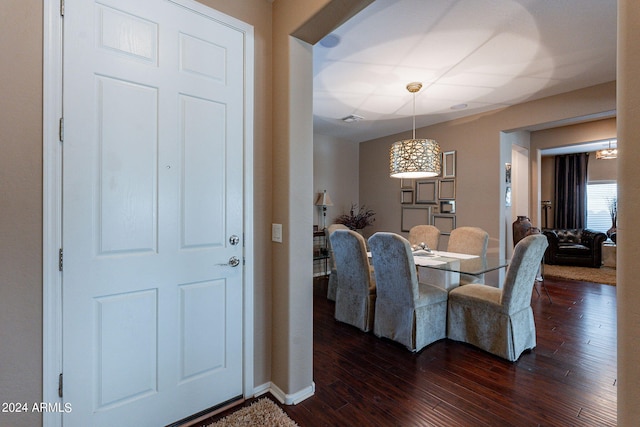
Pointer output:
x,y
599,197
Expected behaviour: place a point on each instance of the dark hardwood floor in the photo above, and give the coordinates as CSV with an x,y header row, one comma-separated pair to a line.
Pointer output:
x,y
568,380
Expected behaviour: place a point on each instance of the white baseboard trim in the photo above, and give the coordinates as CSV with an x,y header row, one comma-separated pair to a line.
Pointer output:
x,y
261,389
285,399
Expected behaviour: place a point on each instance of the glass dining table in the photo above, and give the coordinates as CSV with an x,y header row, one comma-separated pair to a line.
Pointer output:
x,y
443,269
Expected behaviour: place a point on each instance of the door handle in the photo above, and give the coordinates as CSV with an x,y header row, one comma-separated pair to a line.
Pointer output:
x,y
233,262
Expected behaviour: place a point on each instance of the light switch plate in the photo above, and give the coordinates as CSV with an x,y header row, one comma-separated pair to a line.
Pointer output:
x,y
276,233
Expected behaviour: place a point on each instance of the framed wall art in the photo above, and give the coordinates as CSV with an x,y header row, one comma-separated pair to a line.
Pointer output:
x,y
412,216
448,206
426,191
406,197
406,183
449,164
445,223
447,189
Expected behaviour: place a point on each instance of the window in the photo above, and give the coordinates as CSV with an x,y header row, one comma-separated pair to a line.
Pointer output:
x,y
599,197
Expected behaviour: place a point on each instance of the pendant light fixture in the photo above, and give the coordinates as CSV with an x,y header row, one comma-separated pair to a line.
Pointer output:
x,y
607,153
414,158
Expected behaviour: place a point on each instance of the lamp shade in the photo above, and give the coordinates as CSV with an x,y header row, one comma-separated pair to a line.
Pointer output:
x,y
323,199
414,158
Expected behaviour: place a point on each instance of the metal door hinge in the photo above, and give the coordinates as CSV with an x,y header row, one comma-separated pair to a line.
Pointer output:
x,y
60,255
60,385
61,7
61,129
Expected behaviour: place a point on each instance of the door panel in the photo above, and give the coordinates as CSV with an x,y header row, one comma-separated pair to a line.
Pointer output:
x,y
127,203
203,142
152,192
126,347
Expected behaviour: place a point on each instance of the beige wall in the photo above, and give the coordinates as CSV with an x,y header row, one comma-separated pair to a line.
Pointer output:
x,y
480,183
629,208
602,170
335,169
21,207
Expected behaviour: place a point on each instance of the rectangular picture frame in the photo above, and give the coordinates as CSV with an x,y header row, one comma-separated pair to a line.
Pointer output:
x,y
426,191
444,223
447,189
447,206
449,164
412,216
406,183
406,197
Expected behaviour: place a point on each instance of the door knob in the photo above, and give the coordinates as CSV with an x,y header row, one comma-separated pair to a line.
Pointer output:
x,y
234,261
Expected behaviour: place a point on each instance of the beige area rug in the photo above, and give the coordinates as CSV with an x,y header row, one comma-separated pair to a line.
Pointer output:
x,y
604,275
262,412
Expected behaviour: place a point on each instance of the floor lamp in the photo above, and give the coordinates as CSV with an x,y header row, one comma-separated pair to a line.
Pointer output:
x,y
546,205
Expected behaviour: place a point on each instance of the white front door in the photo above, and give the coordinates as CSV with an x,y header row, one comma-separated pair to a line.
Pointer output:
x,y
152,212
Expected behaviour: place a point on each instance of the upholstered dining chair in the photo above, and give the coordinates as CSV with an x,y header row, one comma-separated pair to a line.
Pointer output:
x,y
333,276
408,312
428,234
356,292
500,321
471,241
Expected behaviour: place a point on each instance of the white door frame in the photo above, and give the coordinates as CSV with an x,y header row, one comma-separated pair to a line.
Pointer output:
x,y
52,201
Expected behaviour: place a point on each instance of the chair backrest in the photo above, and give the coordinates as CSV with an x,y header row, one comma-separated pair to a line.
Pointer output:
x,y
428,234
395,270
521,273
327,233
352,262
468,240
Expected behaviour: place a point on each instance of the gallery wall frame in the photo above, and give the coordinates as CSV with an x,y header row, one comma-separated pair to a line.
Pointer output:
x,y
448,206
445,223
412,216
406,197
449,164
447,189
426,191
406,183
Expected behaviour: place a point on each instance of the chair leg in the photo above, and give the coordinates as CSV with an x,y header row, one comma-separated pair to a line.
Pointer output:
x,y
541,280
535,288
546,290
543,285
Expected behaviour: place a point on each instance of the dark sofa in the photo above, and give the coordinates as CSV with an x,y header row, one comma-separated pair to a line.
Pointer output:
x,y
578,246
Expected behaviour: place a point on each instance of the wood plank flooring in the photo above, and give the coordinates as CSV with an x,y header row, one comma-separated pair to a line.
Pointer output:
x,y
568,380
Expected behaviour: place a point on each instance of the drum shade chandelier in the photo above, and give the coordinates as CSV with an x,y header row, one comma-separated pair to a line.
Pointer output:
x,y
414,158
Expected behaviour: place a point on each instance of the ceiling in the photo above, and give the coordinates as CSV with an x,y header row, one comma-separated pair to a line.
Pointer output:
x,y
480,54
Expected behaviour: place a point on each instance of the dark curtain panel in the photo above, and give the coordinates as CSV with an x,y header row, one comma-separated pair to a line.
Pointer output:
x,y
571,191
